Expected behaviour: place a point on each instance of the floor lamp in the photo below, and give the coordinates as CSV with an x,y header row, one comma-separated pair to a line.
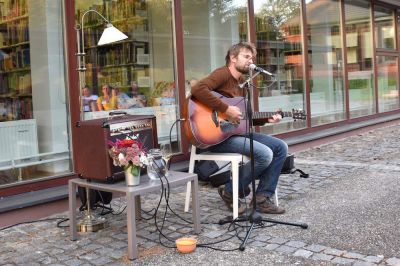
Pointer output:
x,y
90,223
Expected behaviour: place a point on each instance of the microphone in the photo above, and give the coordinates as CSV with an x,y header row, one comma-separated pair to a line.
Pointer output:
x,y
259,69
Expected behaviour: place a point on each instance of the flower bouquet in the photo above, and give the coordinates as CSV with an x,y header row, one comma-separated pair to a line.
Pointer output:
x,y
130,155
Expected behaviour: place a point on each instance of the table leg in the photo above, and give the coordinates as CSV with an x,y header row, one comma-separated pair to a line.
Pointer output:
x,y
72,210
131,227
196,206
138,207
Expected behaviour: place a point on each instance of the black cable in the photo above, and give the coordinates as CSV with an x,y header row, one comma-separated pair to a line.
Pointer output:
x,y
120,212
36,221
62,221
155,218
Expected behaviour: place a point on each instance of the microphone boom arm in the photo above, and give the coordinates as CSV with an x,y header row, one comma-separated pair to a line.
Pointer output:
x,y
247,81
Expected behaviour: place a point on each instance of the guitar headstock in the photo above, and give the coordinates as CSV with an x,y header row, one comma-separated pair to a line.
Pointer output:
x,y
299,114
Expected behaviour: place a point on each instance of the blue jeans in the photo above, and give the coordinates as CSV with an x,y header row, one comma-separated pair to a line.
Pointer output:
x,y
269,157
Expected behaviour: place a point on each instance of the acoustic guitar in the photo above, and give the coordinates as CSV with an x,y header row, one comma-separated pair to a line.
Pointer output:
x,y
205,127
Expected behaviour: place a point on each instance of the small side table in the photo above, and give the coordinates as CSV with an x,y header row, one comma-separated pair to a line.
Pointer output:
x,y
133,195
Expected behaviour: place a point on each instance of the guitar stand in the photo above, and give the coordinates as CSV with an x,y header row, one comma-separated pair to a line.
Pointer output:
x,y
255,219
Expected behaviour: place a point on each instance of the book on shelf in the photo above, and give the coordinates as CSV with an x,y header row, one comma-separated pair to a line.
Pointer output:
x,y
12,8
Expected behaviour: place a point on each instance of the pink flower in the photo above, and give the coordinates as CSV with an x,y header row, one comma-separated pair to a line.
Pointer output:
x,y
128,151
136,160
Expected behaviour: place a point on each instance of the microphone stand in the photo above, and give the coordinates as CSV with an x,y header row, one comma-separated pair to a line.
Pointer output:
x,y
254,218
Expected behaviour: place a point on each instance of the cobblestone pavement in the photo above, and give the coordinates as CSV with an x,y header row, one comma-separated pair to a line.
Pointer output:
x,y
350,202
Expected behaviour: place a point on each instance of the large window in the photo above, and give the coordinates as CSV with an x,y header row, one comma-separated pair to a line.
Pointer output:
x,y
33,105
326,62
388,92
359,57
388,89
278,30
135,75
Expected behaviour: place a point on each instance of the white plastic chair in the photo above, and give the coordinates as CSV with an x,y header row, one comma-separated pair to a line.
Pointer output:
x,y
235,159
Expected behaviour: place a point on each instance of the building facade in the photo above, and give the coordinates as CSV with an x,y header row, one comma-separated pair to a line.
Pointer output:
x,y
335,59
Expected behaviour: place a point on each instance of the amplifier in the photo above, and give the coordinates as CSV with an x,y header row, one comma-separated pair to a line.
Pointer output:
x,y
93,160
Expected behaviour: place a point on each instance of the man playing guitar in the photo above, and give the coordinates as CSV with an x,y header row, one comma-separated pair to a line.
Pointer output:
x,y
269,152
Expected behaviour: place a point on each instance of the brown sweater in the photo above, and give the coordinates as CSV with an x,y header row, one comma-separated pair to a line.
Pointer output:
x,y
221,81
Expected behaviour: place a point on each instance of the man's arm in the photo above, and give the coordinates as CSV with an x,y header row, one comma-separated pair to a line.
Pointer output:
x,y
202,90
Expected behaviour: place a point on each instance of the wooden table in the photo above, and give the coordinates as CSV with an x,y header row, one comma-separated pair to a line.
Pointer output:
x,y
133,196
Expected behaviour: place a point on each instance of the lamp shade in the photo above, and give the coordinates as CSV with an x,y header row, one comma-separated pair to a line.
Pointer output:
x,y
111,34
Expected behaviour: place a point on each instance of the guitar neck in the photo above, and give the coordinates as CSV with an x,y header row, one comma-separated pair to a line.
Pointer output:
x,y
265,115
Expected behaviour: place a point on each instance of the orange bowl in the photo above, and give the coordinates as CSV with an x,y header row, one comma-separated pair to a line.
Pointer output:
x,y
186,245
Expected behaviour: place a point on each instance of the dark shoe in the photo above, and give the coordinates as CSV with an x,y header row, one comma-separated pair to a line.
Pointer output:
x,y
228,199
246,192
265,205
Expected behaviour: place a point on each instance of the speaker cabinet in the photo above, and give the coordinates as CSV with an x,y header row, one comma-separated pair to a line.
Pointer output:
x,y
93,160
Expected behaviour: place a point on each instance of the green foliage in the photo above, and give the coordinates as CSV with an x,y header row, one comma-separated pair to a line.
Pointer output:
x,y
359,84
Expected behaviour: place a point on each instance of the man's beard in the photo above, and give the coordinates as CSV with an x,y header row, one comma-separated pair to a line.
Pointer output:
x,y
243,70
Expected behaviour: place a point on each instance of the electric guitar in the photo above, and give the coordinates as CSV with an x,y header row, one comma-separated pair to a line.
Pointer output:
x,y
205,127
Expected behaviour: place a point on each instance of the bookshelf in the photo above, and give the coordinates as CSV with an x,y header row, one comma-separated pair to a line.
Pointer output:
x,y
118,64
15,74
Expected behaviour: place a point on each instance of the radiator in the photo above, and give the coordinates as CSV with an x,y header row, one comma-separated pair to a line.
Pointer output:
x,y
18,139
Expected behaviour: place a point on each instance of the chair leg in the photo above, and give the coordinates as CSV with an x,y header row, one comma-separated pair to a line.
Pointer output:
x,y
188,193
235,188
188,186
276,197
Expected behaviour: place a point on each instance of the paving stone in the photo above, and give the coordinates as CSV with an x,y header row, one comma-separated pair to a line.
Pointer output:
x,y
90,256
271,246
262,238
74,262
353,255
277,240
285,249
101,261
117,254
363,263
373,259
119,244
321,256
47,260
213,234
393,261
295,244
257,244
303,253
333,251
339,260
315,248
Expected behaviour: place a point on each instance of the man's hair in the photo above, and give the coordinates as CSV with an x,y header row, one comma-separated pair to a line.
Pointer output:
x,y
234,50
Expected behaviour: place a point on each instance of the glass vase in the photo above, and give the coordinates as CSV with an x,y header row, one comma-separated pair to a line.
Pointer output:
x,y
156,166
132,175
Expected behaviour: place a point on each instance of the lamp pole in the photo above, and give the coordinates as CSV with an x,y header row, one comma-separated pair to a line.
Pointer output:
x,y
109,35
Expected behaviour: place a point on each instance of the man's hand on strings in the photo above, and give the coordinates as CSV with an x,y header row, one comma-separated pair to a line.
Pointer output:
x,y
234,114
275,118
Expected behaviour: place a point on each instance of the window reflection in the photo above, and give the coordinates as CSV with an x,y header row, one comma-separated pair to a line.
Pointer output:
x,y
326,62
388,92
210,28
359,57
279,51
384,27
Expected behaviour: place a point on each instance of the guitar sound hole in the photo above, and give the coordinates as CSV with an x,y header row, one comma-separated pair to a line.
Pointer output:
x,y
227,126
